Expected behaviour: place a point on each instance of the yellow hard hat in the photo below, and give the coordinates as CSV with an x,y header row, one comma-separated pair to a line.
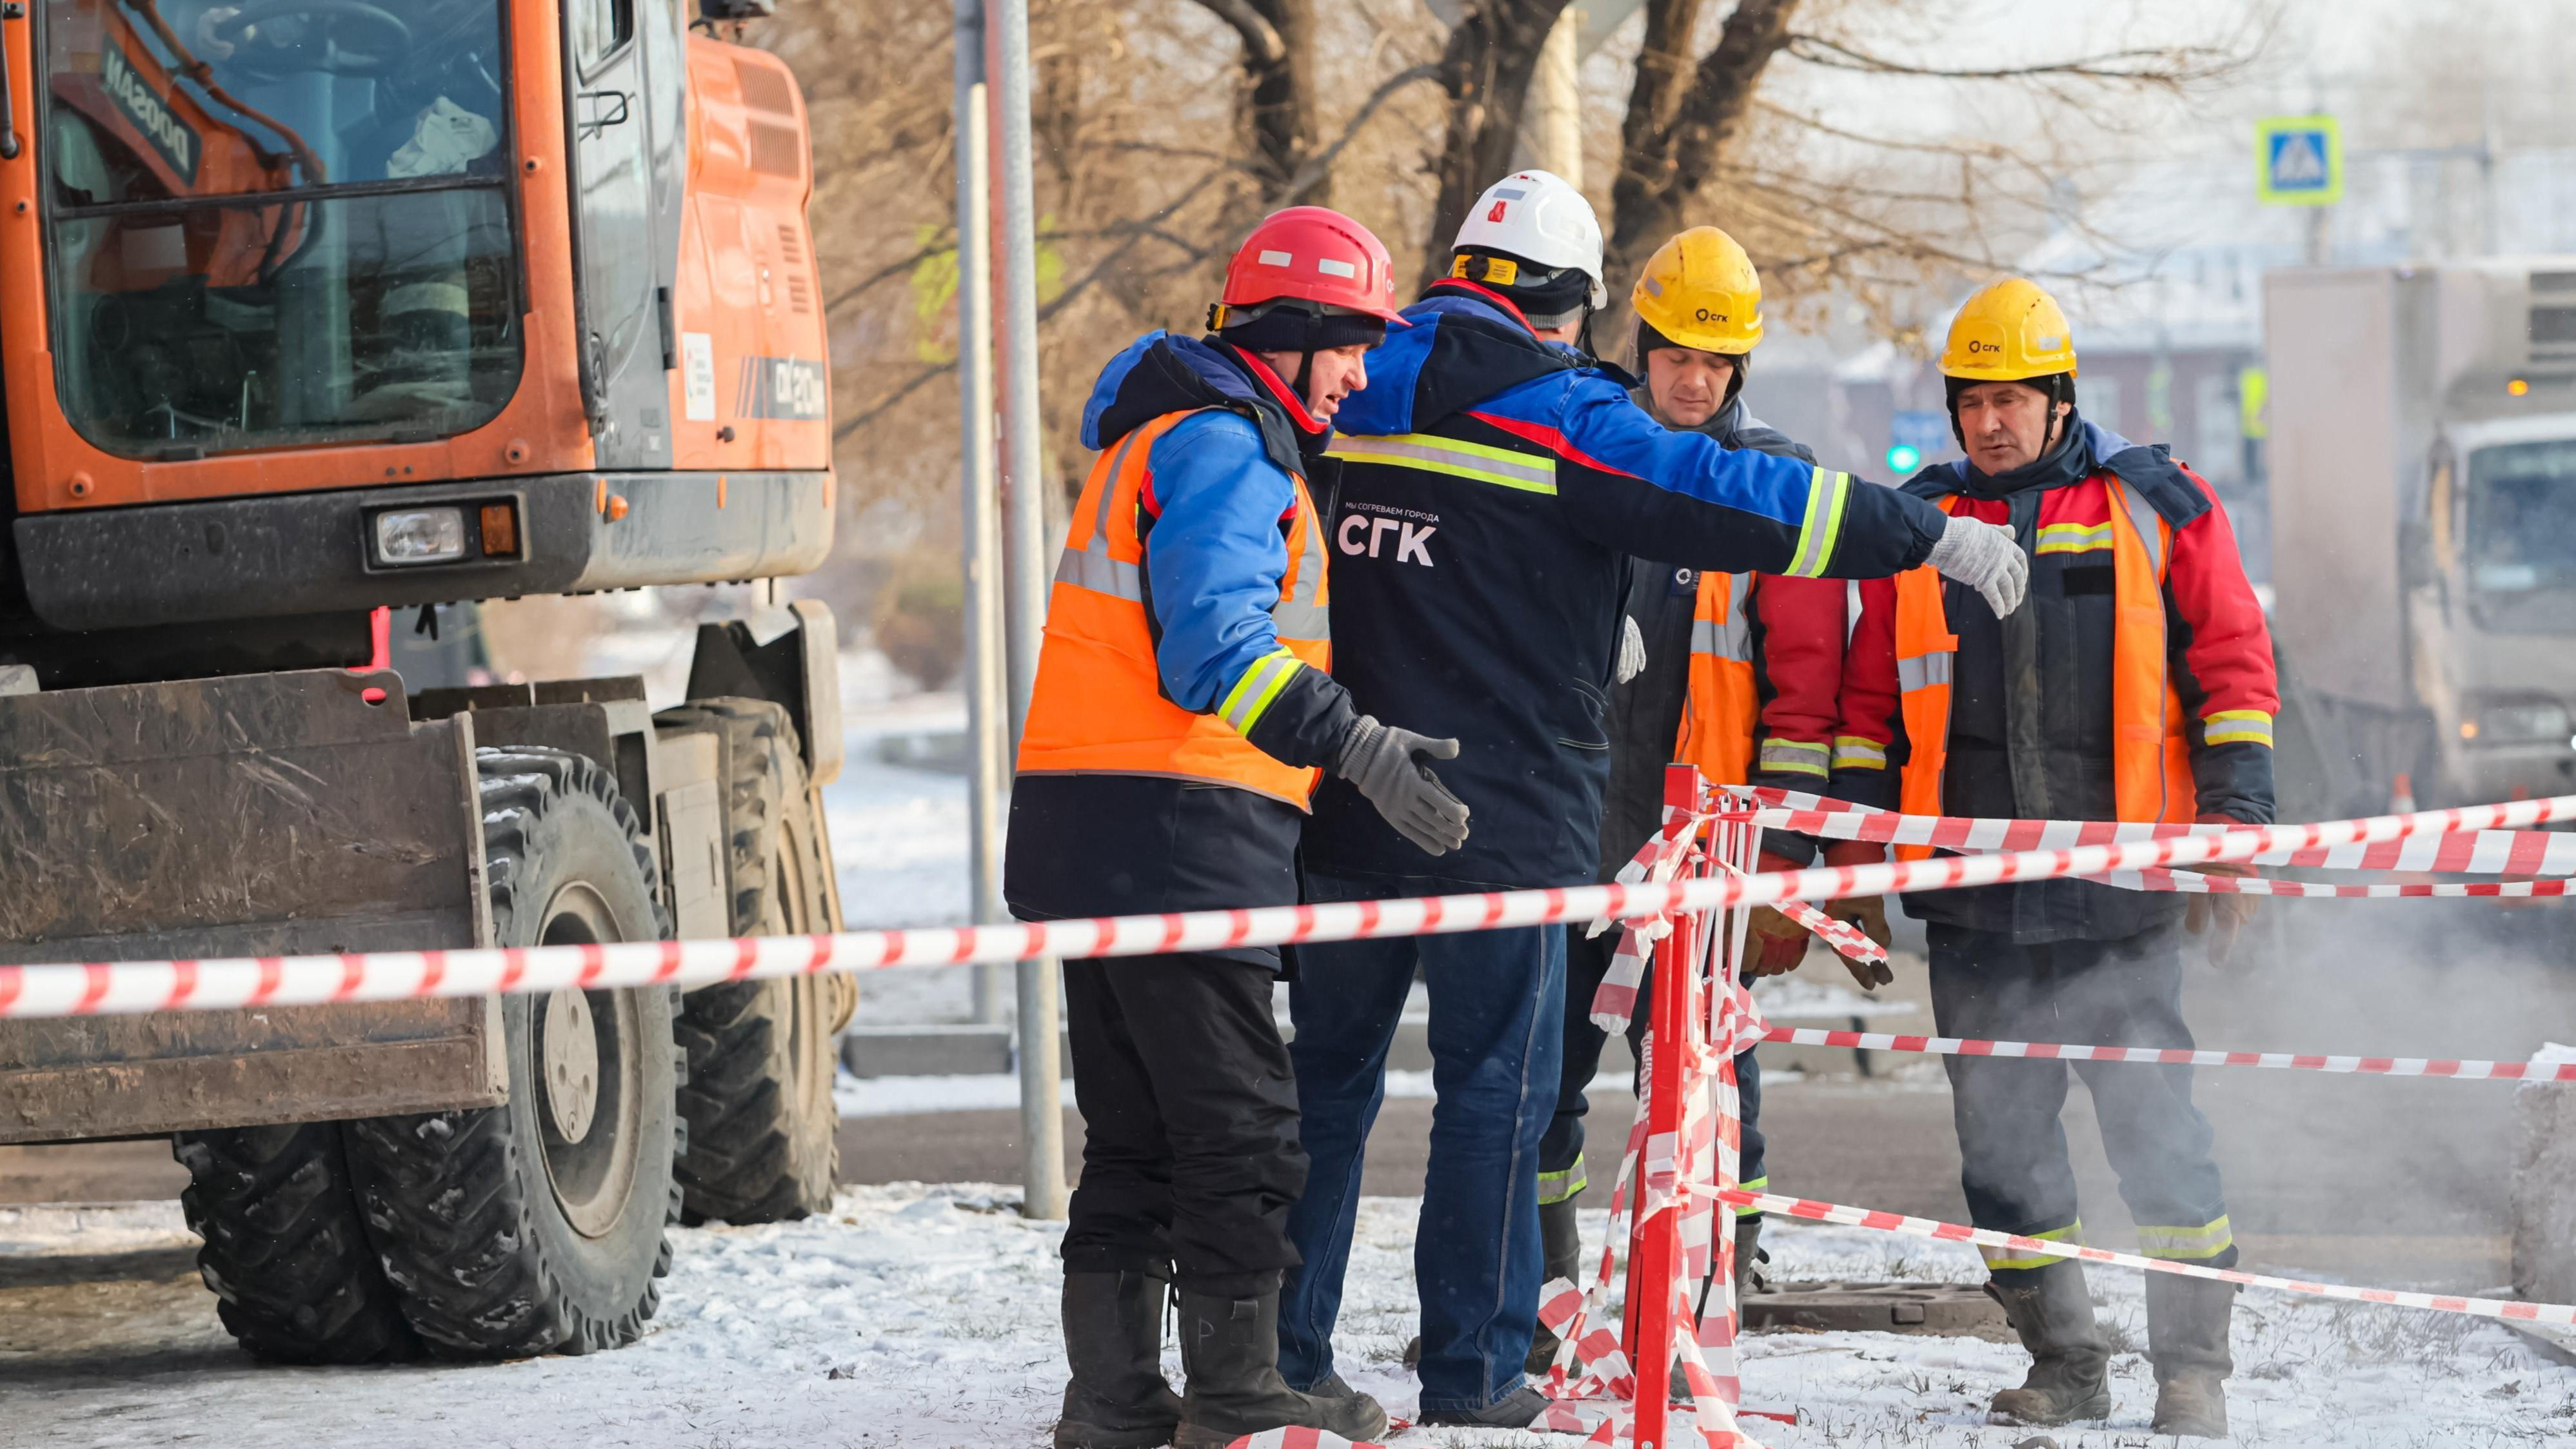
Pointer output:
x,y
1700,290
2009,332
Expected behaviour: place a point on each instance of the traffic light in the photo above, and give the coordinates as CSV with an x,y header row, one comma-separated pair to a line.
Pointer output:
x,y
1904,458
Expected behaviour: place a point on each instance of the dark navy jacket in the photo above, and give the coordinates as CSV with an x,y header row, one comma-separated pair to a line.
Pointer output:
x,y
1493,488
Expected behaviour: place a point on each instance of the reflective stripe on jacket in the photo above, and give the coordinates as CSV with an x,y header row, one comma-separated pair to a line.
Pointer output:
x,y
2150,750
1099,704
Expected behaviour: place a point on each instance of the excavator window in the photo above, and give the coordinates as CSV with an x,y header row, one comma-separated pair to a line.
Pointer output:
x,y
278,222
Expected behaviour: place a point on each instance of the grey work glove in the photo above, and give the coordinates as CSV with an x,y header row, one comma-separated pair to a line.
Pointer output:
x,y
1379,760
1985,558
1632,650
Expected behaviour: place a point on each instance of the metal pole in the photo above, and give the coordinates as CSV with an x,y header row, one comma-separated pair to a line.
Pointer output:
x,y
1023,546
987,699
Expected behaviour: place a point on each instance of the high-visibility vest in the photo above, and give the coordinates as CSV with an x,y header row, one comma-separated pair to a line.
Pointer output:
x,y
2150,755
1724,707
1098,706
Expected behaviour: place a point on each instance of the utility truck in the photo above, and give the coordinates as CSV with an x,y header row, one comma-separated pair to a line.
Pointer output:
x,y
314,314
2423,489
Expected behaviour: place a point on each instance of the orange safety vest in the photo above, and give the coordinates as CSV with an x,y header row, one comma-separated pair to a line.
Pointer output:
x,y
1724,707
2150,755
1098,706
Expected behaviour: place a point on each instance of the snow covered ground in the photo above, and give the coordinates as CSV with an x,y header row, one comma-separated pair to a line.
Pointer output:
x,y
925,1317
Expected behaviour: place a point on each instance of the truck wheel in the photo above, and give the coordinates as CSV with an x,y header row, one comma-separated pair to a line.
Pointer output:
x,y
294,1276
759,1097
539,1226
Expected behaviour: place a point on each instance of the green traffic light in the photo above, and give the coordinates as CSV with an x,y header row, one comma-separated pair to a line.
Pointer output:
x,y
1904,458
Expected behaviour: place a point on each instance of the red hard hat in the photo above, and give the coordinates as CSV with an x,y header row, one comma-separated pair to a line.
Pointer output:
x,y
1314,254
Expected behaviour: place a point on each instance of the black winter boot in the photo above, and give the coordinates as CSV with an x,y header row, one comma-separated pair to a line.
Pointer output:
x,y
2069,1376
1113,1339
2187,1321
1230,1354
1563,1242
1749,1257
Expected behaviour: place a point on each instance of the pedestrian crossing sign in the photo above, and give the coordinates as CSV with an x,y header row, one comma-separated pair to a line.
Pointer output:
x,y
2298,160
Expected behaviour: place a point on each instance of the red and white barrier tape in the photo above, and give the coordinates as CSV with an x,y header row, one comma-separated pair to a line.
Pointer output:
x,y
2458,1070
2468,847
2195,882
1828,1212
100,988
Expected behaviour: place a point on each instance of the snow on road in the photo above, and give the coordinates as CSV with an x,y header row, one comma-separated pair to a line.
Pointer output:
x,y
925,1317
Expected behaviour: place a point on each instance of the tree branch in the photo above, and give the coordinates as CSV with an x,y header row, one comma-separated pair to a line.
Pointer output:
x,y
2165,69
1320,165
1261,42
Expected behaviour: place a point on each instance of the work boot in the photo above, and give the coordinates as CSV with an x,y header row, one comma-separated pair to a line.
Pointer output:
x,y
1749,1258
1230,1354
2187,1321
1113,1339
1515,1410
1562,1241
2069,1374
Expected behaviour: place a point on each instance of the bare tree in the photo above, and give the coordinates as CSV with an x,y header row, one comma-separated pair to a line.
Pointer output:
x,y
1681,114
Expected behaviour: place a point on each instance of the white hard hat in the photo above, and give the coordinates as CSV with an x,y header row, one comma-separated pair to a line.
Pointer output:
x,y
1540,218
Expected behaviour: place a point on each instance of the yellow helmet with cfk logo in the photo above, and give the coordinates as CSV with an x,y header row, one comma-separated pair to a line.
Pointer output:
x,y
1699,290
2009,332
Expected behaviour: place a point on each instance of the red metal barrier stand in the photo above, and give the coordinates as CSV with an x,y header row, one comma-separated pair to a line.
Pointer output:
x,y
1655,1249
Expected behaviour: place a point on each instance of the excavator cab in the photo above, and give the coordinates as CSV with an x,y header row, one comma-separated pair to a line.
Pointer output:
x,y
331,305
312,311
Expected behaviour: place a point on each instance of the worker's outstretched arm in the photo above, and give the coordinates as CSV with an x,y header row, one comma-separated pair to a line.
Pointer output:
x,y
1682,496
1214,556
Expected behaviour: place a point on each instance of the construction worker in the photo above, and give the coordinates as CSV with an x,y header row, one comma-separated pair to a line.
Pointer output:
x,y
1181,715
1738,674
1494,483
2136,684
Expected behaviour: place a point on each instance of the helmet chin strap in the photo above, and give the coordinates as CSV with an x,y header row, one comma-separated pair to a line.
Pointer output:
x,y
1305,365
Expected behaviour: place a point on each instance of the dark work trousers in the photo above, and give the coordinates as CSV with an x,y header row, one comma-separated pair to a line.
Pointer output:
x,y
1562,1169
2012,1146
1190,1152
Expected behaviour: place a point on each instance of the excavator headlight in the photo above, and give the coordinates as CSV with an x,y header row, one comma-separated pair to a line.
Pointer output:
x,y
407,536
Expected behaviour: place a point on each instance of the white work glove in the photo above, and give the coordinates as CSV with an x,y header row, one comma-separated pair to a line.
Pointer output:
x,y
1985,558
1632,650
1379,760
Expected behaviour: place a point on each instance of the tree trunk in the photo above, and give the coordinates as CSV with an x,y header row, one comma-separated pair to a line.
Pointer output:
x,y
1680,117
1486,69
1279,93
1283,106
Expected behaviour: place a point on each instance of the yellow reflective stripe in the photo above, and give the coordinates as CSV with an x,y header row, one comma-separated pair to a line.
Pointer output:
x,y
1999,1259
1752,1184
1796,756
1259,685
1528,472
2073,537
1822,526
2206,1241
2234,726
1555,1187
1858,752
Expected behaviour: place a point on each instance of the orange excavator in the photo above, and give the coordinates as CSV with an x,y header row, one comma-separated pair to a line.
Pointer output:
x,y
314,313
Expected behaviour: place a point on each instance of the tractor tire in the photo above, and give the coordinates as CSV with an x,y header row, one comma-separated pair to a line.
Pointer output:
x,y
762,1126
540,1226
294,1276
